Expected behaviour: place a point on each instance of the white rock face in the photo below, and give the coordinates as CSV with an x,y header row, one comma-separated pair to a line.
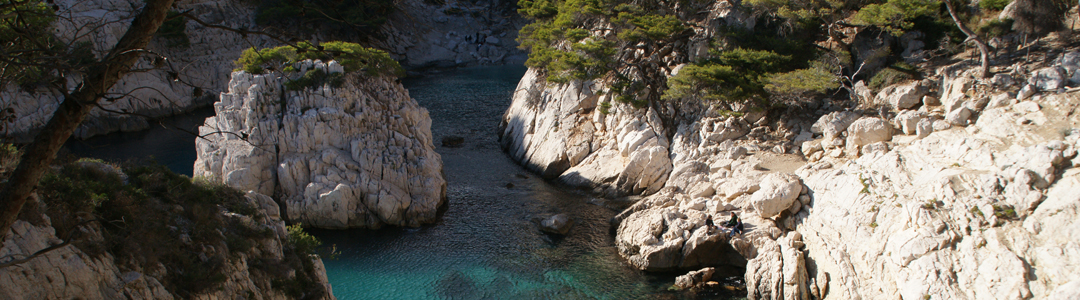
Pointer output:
x,y
356,156
545,130
778,192
834,123
70,273
867,131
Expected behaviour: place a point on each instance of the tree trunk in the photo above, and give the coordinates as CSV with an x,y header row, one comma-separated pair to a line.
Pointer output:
x,y
984,50
99,78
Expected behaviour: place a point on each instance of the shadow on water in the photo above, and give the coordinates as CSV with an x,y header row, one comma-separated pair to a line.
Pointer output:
x,y
487,244
172,145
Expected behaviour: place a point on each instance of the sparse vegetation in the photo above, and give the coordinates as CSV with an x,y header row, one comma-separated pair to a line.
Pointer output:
x,y
976,211
1004,212
152,216
351,56
865,185
896,73
931,204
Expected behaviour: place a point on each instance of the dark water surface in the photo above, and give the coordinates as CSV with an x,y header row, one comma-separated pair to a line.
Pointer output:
x,y
170,141
487,244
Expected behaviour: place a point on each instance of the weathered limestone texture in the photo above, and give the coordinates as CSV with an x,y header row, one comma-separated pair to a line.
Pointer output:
x,y
70,273
358,155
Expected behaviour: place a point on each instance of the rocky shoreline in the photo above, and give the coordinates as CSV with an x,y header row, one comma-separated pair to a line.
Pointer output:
x,y
972,188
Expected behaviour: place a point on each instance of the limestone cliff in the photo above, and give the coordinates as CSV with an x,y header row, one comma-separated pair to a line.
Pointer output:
x,y
951,187
358,155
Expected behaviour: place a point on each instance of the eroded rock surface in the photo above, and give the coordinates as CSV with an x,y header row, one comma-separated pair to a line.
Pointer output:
x,y
359,155
70,273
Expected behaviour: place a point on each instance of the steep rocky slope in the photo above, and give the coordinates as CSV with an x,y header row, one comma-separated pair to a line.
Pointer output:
x,y
952,187
250,255
358,155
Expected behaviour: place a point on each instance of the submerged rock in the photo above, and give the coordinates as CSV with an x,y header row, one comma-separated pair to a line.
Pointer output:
x,y
558,224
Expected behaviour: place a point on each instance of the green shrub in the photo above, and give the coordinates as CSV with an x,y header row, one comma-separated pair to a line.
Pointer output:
x,y
995,28
894,74
817,79
895,16
155,217
735,76
351,56
300,241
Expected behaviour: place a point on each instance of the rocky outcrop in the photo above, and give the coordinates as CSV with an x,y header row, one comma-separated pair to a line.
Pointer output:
x,y
72,273
358,155
948,197
557,132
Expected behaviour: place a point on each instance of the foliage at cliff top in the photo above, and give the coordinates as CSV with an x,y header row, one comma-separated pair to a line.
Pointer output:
x,y
351,56
583,56
735,76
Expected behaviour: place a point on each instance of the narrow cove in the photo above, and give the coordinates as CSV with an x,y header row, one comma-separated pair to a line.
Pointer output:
x,y
486,245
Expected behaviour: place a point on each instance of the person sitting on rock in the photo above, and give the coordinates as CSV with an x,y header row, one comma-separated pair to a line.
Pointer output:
x,y
709,224
737,229
733,221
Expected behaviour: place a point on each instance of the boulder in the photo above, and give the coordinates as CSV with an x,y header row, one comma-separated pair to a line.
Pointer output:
x,y
834,123
902,96
941,125
959,117
558,224
777,193
1001,99
869,130
908,120
1049,79
924,128
1002,80
863,92
694,278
